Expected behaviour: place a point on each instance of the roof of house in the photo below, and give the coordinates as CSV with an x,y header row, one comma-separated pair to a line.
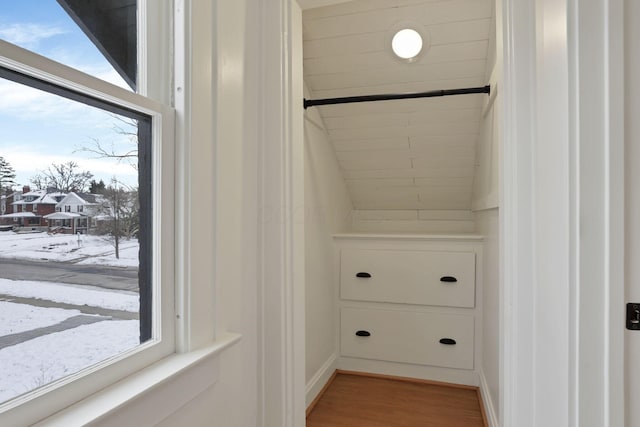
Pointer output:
x,y
18,215
41,197
63,215
72,199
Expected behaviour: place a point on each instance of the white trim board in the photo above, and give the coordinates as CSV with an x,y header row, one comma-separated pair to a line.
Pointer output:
x,y
281,239
422,372
320,379
561,311
489,406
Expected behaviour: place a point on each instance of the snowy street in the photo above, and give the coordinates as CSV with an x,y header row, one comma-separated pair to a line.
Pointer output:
x,y
119,278
66,303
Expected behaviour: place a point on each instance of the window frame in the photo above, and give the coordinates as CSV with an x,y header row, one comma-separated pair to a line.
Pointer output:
x,y
41,403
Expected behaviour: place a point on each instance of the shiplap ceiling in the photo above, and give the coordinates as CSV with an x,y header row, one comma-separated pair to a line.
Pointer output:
x,y
409,154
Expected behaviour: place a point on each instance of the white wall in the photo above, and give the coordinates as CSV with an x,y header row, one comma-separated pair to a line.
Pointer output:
x,y
327,211
413,221
487,213
488,225
225,165
632,151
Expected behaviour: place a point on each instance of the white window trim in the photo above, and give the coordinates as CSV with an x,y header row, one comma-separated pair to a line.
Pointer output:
x,y
194,290
197,341
195,61
32,407
108,401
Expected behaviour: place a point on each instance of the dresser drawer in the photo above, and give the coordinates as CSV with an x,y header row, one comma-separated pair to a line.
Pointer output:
x,y
408,337
411,277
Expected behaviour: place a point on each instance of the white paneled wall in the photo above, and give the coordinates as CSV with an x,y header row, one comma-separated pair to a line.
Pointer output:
x,y
413,221
327,211
488,226
421,166
485,186
485,203
632,152
415,154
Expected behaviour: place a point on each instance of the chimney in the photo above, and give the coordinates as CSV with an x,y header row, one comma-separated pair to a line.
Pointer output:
x,y
26,189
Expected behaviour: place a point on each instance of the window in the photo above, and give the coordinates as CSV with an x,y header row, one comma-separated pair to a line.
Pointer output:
x,y
103,41
120,141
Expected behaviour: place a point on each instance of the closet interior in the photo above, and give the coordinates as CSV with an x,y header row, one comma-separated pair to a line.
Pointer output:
x,y
401,195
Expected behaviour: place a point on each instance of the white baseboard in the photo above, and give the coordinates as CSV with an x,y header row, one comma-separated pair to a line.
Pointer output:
x,y
489,407
423,372
318,381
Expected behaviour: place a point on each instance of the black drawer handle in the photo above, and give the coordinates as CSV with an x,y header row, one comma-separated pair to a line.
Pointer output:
x,y
447,341
448,279
363,274
363,333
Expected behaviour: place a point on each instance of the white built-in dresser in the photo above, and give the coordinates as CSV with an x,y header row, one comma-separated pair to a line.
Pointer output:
x,y
409,305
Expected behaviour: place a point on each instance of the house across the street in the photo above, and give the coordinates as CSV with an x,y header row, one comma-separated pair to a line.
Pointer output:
x,y
53,211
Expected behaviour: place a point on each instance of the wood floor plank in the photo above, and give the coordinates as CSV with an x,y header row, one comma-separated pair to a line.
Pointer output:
x,y
357,401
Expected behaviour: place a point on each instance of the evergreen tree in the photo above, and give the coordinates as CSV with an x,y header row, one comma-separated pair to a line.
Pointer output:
x,y
97,187
7,175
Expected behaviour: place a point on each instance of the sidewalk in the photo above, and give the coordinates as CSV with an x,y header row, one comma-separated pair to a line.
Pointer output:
x,y
90,315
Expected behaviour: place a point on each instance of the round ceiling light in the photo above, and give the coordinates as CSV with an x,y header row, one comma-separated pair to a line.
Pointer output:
x,y
406,43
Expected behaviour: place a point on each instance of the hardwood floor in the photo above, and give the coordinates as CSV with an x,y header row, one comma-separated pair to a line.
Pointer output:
x,y
362,401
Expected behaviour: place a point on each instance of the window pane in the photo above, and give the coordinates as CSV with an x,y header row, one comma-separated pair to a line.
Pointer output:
x,y
96,37
75,239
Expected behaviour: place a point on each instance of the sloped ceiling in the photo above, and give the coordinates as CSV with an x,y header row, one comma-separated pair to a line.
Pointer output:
x,y
409,154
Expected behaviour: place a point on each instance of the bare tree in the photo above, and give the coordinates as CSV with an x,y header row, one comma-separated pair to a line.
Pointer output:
x,y
64,177
121,205
121,202
39,181
124,126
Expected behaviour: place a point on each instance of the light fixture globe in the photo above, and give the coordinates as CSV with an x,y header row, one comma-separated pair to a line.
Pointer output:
x,y
406,43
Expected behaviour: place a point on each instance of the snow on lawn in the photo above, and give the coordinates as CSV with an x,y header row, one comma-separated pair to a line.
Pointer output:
x,y
33,363
83,249
71,294
15,318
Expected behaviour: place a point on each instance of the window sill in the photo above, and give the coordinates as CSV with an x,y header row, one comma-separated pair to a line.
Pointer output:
x,y
117,396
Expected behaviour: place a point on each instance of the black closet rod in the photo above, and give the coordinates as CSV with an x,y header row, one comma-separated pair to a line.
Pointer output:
x,y
385,97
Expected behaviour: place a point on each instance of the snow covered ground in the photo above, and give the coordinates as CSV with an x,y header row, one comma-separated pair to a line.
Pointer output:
x,y
42,360
16,318
38,361
71,294
83,249
34,362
